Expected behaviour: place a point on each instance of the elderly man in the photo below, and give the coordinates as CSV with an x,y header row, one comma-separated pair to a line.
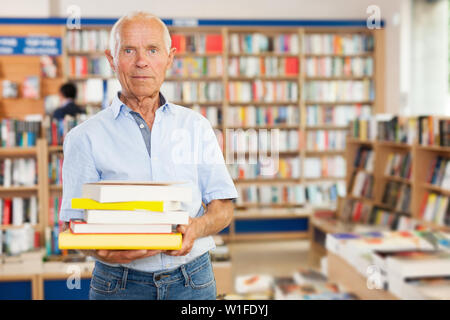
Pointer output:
x,y
139,137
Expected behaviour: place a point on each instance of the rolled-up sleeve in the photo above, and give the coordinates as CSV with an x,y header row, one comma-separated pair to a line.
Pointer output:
x,y
78,168
215,180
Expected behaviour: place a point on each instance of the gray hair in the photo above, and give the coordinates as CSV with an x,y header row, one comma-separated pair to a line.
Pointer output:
x,y
114,36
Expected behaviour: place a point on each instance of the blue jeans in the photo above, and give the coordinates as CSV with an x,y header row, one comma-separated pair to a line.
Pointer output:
x,y
191,281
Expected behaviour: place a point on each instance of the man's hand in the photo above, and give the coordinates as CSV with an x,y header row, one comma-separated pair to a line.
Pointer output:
x,y
190,233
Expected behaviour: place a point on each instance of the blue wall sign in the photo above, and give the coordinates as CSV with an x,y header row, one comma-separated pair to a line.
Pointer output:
x,y
31,45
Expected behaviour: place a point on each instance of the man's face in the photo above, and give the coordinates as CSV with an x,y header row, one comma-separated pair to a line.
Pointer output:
x,y
141,59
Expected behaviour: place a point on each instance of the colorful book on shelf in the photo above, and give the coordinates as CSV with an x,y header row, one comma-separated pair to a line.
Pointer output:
x,y
122,191
31,87
149,241
161,206
81,227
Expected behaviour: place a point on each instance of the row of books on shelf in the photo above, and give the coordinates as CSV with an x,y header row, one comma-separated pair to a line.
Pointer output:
x,y
51,234
399,165
263,116
364,159
435,208
19,133
18,240
365,213
87,40
55,168
361,184
263,66
263,140
56,129
339,115
255,43
16,211
325,167
97,91
212,113
15,172
197,43
250,43
30,88
345,44
410,264
339,67
267,169
54,207
439,172
433,131
127,215
321,140
397,196
339,90
302,284
424,130
262,91
192,91
196,67
314,194
81,66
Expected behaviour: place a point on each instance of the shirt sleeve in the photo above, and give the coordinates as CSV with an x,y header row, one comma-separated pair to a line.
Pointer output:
x,y
215,180
78,168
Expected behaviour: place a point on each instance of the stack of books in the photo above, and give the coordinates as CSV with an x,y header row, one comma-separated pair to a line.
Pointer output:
x,y
122,215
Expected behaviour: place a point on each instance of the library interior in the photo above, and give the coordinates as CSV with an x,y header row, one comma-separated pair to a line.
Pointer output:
x,y
332,118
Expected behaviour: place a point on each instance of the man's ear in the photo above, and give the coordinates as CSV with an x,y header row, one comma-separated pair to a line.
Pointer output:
x,y
110,59
171,57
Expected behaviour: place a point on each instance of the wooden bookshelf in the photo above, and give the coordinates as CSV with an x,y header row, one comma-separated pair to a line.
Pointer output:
x,y
50,86
422,159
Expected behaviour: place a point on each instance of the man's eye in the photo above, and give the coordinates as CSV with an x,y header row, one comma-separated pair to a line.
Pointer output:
x,y
128,51
153,50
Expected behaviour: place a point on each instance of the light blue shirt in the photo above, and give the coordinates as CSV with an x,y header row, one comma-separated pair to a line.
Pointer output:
x,y
181,146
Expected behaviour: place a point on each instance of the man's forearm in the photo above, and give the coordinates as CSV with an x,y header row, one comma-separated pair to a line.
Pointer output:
x,y
218,216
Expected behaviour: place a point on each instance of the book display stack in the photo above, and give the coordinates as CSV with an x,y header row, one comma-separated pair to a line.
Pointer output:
x,y
408,264
128,215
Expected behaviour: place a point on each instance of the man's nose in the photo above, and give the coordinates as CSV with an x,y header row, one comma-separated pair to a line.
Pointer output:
x,y
141,60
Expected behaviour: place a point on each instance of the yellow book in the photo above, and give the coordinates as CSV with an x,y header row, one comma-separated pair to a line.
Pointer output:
x,y
149,241
160,206
363,130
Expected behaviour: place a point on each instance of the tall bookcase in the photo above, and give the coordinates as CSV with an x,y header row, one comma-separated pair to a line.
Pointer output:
x,y
290,216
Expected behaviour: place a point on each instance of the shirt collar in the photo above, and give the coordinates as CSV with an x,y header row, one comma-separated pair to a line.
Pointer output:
x,y
117,105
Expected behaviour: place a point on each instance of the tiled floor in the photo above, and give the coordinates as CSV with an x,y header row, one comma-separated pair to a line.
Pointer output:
x,y
277,258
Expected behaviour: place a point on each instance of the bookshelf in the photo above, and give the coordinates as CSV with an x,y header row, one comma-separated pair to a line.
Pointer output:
x,y
308,115
412,166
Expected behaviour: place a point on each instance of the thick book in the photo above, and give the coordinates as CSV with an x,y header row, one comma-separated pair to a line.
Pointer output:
x,y
136,217
149,241
419,264
121,191
81,227
160,206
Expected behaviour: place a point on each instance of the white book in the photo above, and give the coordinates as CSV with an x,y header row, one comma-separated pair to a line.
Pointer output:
x,y
33,210
136,217
122,191
430,264
17,211
83,227
446,179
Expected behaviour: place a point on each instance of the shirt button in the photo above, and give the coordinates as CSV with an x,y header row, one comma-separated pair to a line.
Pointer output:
x,y
141,126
